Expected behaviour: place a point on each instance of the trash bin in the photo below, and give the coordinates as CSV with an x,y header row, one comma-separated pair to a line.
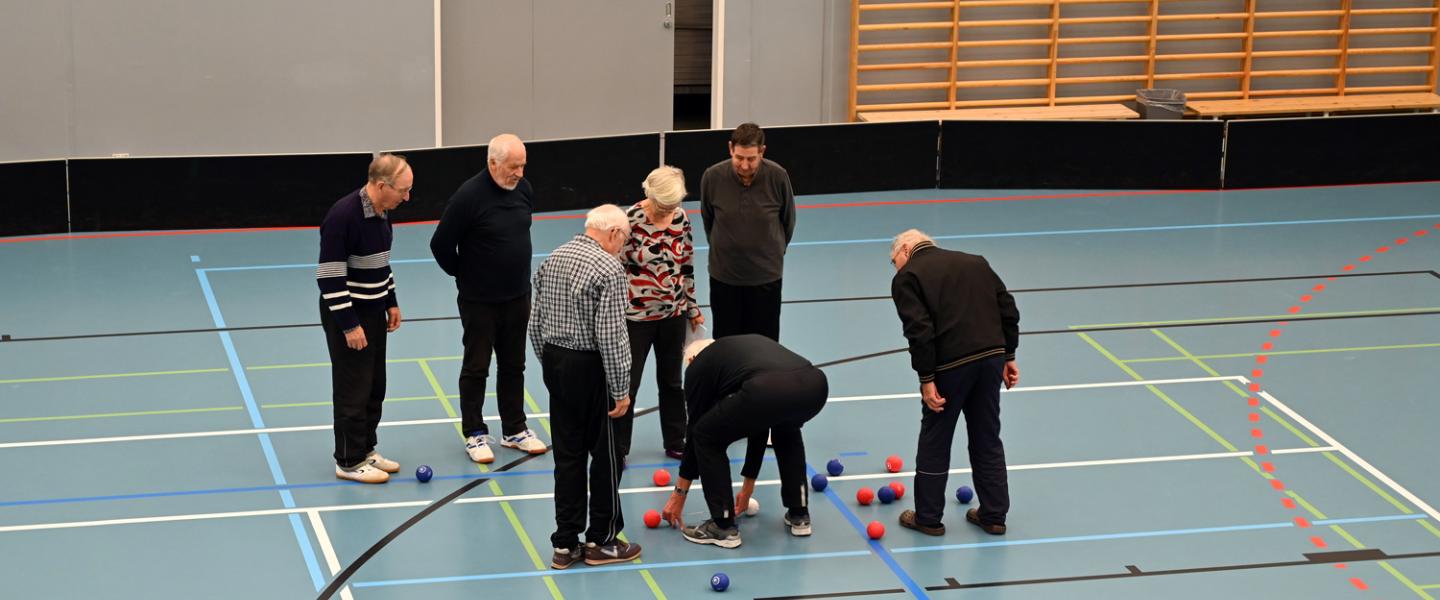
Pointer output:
x,y
1160,103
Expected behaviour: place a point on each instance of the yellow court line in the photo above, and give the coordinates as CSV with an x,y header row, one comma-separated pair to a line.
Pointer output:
x,y
1419,591
326,364
142,413
1294,317
111,376
1431,528
1283,353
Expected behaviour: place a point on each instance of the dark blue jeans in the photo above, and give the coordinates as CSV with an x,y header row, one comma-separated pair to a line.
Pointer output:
x,y
972,389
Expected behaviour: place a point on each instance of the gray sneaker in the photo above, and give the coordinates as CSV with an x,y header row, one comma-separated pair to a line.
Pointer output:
x,y
799,525
710,533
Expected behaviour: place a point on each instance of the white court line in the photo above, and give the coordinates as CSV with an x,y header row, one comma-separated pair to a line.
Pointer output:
x,y
638,490
1355,458
328,550
234,432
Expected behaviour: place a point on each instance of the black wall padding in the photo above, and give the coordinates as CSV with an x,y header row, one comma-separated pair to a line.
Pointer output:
x,y
34,198
1336,150
1081,154
210,192
824,159
438,173
585,173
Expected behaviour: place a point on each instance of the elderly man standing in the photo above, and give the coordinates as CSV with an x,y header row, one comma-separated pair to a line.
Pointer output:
x,y
483,240
577,327
963,329
358,309
748,208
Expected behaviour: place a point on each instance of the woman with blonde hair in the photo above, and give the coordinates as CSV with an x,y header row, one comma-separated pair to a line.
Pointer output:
x,y
659,260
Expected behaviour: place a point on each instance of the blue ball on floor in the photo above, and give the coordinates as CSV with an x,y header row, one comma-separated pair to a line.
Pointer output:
x,y
719,582
964,494
423,473
819,482
834,467
886,494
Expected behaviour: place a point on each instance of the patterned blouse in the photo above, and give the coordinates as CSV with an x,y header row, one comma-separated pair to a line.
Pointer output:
x,y
660,266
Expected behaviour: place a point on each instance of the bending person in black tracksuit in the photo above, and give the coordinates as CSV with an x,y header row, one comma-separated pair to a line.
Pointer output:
x,y
963,329
738,387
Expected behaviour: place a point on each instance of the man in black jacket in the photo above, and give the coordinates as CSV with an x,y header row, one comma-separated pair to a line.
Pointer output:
x,y
963,329
483,240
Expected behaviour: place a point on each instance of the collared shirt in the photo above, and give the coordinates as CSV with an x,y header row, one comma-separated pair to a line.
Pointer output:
x,y
579,304
368,208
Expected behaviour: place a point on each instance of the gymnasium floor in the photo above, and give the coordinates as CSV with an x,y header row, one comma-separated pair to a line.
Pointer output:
x,y
196,463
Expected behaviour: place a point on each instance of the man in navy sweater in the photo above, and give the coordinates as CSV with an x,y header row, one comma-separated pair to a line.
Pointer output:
x,y
357,309
483,240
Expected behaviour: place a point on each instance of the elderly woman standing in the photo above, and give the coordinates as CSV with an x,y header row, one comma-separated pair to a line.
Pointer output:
x,y
659,261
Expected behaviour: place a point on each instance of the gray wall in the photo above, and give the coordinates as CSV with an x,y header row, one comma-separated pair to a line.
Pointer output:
x,y
165,77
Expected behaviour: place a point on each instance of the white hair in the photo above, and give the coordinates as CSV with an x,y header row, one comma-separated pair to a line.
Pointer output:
x,y
665,186
695,348
499,147
909,237
606,217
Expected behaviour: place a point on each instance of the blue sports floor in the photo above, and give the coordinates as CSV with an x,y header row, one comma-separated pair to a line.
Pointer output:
x,y
1223,394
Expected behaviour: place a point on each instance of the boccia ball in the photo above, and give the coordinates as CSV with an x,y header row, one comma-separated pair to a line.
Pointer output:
x,y
864,496
819,482
964,494
652,518
899,489
423,473
661,478
876,530
834,467
753,508
893,464
886,495
719,582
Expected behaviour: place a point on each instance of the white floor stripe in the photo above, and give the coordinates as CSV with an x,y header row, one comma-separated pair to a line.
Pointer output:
x,y
1355,458
638,490
305,428
328,549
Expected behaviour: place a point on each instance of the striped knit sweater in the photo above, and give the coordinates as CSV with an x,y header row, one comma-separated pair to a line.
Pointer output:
x,y
354,269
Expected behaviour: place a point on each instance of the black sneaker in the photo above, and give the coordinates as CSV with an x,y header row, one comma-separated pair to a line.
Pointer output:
x,y
614,552
907,520
564,557
710,533
799,525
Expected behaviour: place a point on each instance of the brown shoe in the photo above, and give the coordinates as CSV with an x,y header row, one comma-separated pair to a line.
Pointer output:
x,y
907,520
563,557
614,552
973,516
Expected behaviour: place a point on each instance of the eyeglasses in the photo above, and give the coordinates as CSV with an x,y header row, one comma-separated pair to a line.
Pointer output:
x,y
402,191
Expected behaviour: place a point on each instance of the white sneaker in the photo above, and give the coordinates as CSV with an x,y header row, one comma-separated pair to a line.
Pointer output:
x,y
382,463
365,473
525,441
479,449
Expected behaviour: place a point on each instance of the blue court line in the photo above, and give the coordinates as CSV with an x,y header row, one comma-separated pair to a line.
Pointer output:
x,y
611,568
194,259
855,553
306,486
968,236
875,545
850,454
1148,534
258,422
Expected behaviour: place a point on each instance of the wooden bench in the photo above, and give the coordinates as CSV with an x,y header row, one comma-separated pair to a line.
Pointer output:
x,y
1071,112
1326,105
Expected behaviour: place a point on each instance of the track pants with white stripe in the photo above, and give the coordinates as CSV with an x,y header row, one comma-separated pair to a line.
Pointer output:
x,y
579,428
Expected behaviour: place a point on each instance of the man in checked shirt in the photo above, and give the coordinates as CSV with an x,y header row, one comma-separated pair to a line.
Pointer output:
x,y
577,327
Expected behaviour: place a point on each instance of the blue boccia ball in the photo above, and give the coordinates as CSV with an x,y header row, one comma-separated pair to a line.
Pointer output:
x,y
719,582
834,467
964,494
886,494
819,482
423,473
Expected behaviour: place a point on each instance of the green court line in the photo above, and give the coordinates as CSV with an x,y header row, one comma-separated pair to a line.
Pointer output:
x,y
510,515
535,407
112,376
326,364
1427,525
142,413
1163,396
1433,586
645,573
1186,355
1294,317
325,403
1283,353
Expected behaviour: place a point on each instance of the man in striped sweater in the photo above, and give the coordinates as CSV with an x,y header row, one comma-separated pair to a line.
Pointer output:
x,y
357,309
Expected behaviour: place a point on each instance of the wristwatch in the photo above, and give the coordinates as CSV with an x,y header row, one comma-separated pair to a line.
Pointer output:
x,y
681,491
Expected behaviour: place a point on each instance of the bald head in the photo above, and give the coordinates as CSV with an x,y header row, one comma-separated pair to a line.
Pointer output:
x,y
506,160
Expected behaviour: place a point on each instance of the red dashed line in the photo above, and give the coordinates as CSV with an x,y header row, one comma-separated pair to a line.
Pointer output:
x,y
1254,417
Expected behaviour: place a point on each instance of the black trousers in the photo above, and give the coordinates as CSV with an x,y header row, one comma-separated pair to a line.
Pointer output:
x,y
780,401
740,309
973,389
667,336
579,428
357,383
499,328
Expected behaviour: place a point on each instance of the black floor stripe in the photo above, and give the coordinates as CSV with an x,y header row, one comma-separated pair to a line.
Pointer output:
x,y
6,338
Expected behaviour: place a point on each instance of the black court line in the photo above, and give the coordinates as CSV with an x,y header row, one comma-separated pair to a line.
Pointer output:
x,y
1132,571
344,576
6,338
1157,326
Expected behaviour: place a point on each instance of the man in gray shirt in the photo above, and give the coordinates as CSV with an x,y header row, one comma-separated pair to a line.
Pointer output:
x,y
748,209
